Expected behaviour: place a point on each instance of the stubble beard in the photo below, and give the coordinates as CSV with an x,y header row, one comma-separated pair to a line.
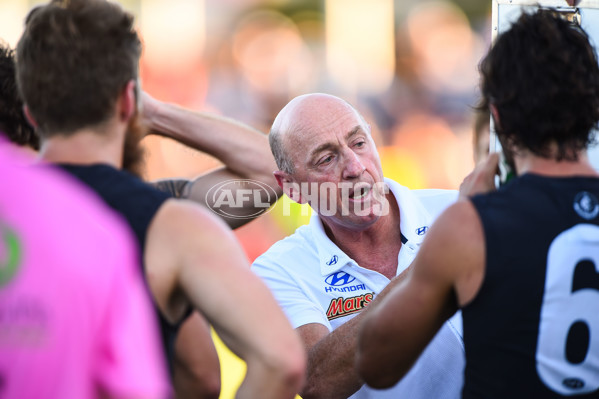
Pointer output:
x,y
133,151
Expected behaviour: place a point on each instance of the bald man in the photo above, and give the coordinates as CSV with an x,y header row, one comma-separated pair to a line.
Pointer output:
x,y
363,235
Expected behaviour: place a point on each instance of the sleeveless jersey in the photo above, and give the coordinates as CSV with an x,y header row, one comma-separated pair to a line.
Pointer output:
x,y
532,330
138,202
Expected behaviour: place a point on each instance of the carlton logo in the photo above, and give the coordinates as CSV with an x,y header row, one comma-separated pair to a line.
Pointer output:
x,y
339,278
586,205
340,307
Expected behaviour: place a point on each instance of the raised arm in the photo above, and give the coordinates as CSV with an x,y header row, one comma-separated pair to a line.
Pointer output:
x,y
446,273
243,150
194,258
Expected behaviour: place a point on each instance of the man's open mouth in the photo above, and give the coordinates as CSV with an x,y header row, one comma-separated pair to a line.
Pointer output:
x,y
359,193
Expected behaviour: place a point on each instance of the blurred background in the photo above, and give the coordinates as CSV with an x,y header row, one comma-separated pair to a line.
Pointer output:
x,y
410,67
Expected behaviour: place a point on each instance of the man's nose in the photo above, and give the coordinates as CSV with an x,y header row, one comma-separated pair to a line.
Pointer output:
x,y
353,166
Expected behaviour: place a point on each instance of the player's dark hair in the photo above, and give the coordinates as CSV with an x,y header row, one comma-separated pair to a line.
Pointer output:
x,y
542,76
12,118
73,60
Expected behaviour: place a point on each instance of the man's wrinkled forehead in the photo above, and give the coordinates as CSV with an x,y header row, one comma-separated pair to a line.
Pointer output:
x,y
309,119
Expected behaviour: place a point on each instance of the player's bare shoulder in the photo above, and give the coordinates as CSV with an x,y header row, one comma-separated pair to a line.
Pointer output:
x,y
455,250
185,225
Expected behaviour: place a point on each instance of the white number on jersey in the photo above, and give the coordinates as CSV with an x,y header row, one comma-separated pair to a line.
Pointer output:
x,y
570,311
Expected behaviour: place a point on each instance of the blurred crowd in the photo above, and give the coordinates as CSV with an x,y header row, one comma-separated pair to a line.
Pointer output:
x,y
410,67
246,59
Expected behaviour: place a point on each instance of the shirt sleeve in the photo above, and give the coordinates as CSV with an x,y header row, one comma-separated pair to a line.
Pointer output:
x,y
130,360
293,295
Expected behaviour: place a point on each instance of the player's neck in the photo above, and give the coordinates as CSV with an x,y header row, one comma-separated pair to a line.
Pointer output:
x,y
529,163
84,147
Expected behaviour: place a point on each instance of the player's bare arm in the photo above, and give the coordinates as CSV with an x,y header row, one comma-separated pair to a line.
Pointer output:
x,y
398,328
195,260
243,150
196,367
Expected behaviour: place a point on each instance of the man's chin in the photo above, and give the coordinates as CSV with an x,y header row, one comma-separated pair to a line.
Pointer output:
x,y
364,209
353,221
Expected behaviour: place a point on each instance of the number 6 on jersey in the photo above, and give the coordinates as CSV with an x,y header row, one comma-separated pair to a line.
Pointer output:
x,y
567,354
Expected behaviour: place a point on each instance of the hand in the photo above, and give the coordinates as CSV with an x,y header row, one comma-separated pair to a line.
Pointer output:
x,y
572,3
482,179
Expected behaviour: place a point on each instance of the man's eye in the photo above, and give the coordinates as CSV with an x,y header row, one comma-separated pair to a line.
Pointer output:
x,y
326,160
360,144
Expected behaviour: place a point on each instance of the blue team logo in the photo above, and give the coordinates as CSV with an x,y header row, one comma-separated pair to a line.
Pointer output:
x,y
586,205
333,260
422,230
339,279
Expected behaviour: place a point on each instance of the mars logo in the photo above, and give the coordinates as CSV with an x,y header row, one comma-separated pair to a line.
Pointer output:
x,y
228,197
340,307
339,278
586,205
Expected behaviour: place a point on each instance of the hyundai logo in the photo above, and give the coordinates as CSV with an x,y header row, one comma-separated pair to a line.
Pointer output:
x,y
339,278
421,230
333,260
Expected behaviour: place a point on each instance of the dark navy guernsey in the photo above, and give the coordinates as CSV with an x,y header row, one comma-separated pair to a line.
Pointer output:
x,y
532,331
138,202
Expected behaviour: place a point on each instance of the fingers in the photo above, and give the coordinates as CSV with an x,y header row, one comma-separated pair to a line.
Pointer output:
x,y
482,178
491,166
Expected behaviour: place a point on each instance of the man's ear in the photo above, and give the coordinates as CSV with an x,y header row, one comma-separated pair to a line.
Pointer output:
x,y
289,186
29,117
127,102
